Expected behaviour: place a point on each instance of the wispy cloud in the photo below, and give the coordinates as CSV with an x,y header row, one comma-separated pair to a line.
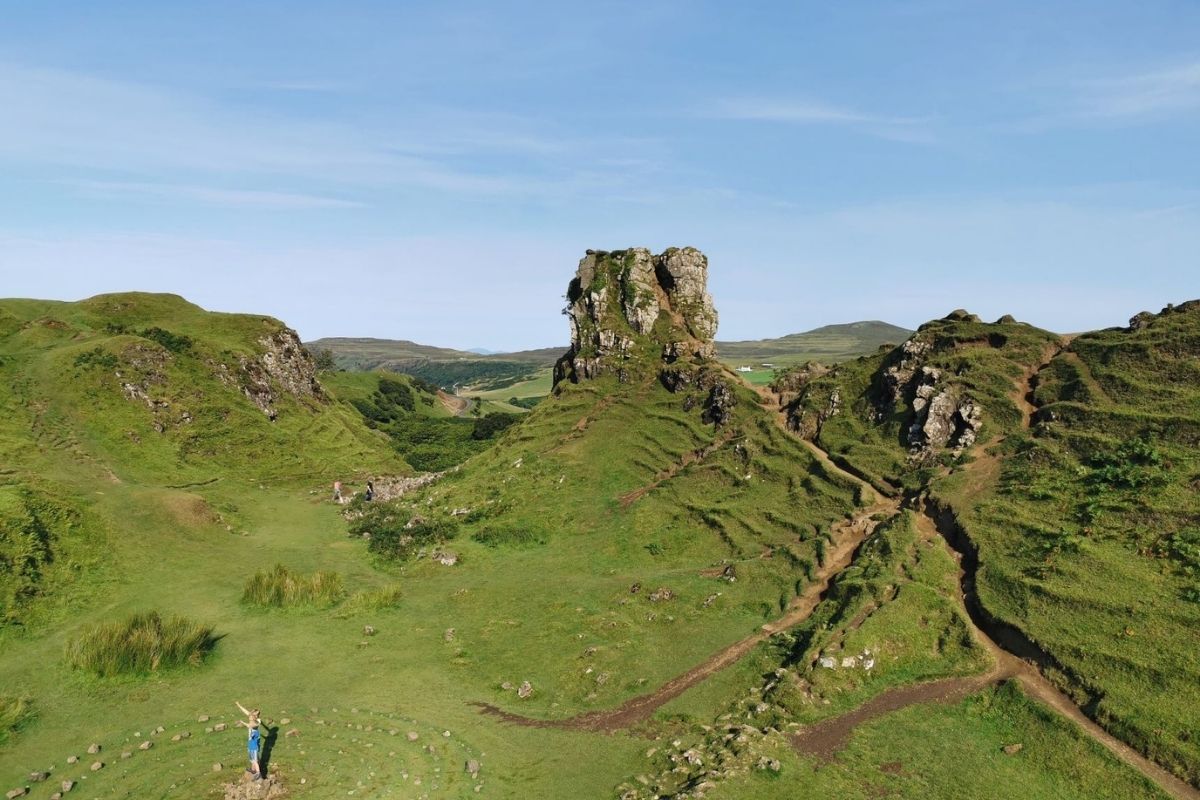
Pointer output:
x,y
233,198
1146,94
85,126
806,112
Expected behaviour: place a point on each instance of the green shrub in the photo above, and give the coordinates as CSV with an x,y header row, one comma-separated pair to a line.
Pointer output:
x,y
282,588
142,644
175,342
97,357
15,713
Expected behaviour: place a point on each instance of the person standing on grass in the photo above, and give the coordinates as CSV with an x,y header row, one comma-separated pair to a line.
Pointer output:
x,y
370,495
337,491
254,739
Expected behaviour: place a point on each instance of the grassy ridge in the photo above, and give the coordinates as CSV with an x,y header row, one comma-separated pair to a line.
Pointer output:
x,y
1089,542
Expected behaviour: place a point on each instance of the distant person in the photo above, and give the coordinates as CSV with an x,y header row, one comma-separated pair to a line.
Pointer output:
x,y
254,738
370,495
337,491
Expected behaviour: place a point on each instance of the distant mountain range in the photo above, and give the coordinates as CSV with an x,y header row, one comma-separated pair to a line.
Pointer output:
x,y
829,343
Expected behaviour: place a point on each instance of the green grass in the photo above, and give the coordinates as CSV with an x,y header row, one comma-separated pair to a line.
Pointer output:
x,y
15,712
282,588
549,548
949,751
141,644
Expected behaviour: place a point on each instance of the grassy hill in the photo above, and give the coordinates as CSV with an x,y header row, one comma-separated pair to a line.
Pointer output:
x,y
624,595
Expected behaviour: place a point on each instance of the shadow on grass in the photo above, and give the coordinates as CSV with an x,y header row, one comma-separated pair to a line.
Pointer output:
x,y
264,759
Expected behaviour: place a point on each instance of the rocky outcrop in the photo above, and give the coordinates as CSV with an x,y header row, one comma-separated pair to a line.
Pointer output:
x,y
283,364
282,367
944,415
629,307
634,313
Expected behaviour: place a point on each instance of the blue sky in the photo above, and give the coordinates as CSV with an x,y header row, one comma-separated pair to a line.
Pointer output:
x,y
435,171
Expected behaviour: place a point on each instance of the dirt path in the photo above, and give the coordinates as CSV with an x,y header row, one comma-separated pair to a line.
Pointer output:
x,y
848,536
455,404
1014,656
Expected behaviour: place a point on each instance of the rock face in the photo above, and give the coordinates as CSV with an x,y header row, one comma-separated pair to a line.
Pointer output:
x,y
633,313
284,365
627,304
944,415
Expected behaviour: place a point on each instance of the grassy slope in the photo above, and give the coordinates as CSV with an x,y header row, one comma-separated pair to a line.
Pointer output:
x,y
1082,541
530,609
1085,566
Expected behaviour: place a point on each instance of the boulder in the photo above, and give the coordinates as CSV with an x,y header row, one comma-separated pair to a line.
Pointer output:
x,y
1013,749
525,690
67,786
93,749
97,766
472,767
38,777
146,745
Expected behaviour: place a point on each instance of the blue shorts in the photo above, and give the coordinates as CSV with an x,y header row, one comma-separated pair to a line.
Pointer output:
x,y
253,751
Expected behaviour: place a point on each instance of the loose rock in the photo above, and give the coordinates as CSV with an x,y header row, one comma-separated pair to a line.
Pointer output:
x,y
97,766
1013,749
525,690
93,749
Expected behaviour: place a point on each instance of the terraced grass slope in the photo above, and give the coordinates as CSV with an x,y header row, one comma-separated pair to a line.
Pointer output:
x,y
1068,474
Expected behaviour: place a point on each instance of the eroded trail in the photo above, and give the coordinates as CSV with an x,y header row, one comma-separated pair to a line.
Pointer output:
x,y
848,535
1014,655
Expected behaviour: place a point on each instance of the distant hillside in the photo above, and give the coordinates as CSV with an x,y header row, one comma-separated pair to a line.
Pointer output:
x,y
829,343
497,374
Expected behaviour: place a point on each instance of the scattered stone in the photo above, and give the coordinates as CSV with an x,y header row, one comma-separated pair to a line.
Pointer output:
x,y
525,690
448,635
1013,749
220,726
56,796
160,729
637,587
67,786
292,732
72,759
202,718
12,794
93,749
828,662
712,598
208,729
97,766
368,630
729,574
661,594
413,736
507,686
285,721
849,662
472,767
446,558
38,777
146,745
217,767
176,737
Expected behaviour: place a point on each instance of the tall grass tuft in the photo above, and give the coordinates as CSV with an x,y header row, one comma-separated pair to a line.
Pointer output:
x,y
282,588
142,644
371,600
14,713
